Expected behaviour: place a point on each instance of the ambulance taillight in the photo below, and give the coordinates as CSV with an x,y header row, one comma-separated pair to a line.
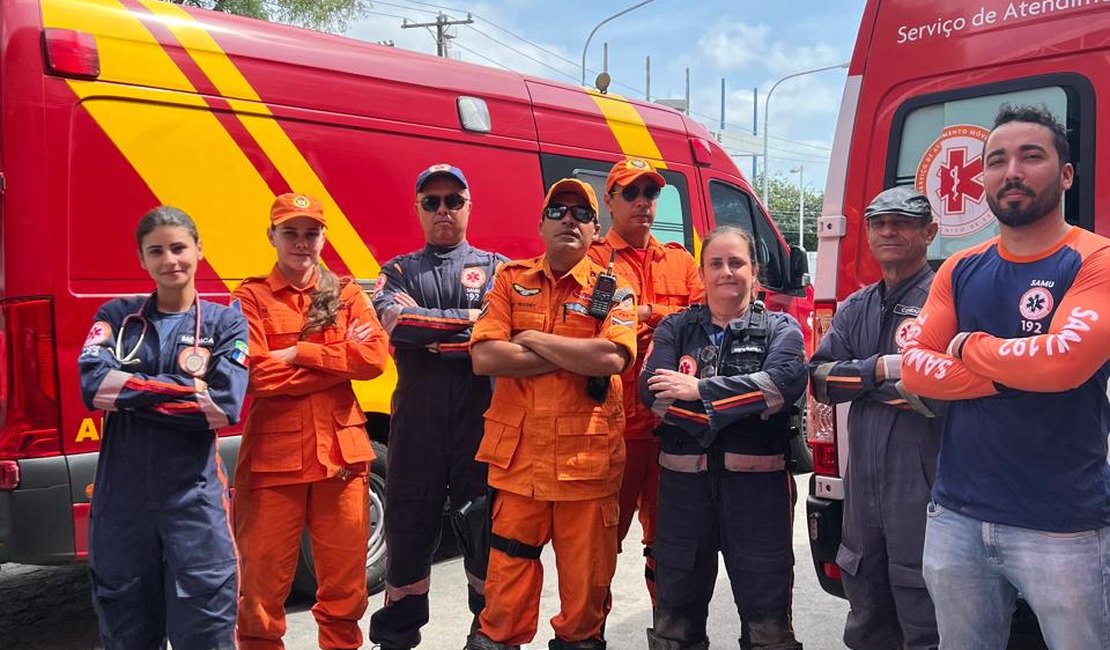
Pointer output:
x,y
821,418
28,379
70,53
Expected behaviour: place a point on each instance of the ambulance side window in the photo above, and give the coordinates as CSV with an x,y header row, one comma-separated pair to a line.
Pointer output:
x,y
937,147
733,207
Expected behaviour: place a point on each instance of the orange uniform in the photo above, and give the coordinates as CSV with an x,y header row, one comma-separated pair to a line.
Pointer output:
x,y
555,456
304,459
665,277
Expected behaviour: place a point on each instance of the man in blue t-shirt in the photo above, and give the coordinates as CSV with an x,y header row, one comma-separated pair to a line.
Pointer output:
x,y
1016,333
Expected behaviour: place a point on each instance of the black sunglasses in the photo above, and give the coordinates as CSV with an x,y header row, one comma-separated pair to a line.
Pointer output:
x,y
632,192
581,213
430,202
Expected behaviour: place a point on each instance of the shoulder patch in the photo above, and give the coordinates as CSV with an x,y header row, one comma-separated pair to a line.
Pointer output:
x,y
675,246
254,279
100,332
240,353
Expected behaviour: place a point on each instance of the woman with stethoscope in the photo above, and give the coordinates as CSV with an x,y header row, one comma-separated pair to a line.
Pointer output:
x,y
304,459
169,370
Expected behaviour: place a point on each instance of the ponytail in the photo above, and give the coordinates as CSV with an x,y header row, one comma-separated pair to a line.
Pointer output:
x,y
325,306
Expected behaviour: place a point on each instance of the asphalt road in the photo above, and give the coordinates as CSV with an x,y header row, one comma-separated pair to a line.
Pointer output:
x,y
48,608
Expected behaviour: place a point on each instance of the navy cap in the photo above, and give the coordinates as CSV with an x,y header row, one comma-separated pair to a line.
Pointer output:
x,y
903,200
442,169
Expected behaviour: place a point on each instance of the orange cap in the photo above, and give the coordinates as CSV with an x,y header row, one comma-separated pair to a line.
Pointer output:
x,y
628,170
291,205
572,186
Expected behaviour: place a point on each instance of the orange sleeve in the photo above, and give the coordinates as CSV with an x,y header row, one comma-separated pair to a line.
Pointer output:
x,y
1076,345
684,266
350,359
620,325
495,321
268,376
927,370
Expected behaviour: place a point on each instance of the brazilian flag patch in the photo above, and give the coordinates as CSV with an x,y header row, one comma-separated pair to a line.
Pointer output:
x,y
240,354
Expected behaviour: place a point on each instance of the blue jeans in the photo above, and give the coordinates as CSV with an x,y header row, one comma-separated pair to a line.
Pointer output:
x,y
974,571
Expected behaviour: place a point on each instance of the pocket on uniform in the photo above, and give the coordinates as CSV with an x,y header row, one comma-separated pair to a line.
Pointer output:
x,y
115,587
605,563
281,331
575,325
527,320
350,431
582,447
501,437
203,581
680,555
848,560
276,443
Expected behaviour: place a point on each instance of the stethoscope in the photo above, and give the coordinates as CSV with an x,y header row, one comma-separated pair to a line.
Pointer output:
x,y
193,361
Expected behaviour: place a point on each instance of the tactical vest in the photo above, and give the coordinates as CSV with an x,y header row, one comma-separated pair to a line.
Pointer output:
x,y
743,351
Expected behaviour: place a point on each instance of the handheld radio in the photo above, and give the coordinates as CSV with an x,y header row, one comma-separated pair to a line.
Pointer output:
x,y
604,287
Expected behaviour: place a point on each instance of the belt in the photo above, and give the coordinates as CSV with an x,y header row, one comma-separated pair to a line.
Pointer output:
x,y
692,464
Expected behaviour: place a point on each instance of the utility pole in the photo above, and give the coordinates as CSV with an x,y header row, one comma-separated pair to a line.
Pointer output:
x,y
647,93
441,24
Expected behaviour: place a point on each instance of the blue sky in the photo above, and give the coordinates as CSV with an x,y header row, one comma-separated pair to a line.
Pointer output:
x,y
749,43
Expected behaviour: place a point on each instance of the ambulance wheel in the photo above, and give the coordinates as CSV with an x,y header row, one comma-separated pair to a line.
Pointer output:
x,y
799,449
304,581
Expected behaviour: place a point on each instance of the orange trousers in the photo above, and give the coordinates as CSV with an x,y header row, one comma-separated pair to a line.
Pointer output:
x,y
584,536
640,490
268,525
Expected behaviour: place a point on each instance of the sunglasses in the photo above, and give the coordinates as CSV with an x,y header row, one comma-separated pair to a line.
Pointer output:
x,y
431,202
632,192
581,213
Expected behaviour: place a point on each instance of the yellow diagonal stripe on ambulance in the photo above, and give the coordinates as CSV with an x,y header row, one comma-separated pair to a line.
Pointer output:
x,y
179,149
256,118
183,153
628,127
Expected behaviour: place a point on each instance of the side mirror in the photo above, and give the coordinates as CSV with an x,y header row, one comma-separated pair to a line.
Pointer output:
x,y
799,268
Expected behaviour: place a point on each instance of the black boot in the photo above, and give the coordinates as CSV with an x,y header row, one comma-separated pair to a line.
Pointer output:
x,y
479,641
785,645
656,642
587,644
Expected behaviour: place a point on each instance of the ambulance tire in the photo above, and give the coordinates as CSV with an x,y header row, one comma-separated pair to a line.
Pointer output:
x,y
800,450
304,581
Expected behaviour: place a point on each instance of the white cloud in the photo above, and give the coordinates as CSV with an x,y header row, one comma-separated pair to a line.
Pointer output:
x,y
734,46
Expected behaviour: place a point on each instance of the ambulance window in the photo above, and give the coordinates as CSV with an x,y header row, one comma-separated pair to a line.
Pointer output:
x,y
938,149
733,207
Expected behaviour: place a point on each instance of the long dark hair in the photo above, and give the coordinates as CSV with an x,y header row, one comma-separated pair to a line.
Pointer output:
x,y
325,306
164,215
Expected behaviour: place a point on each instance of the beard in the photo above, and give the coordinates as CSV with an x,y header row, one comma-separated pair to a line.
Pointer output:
x,y
1015,215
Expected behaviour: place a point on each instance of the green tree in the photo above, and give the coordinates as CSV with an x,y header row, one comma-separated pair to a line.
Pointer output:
x,y
783,205
325,15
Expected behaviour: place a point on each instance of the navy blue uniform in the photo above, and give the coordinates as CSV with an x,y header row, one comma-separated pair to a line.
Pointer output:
x,y
436,424
160,549
724,484
892,452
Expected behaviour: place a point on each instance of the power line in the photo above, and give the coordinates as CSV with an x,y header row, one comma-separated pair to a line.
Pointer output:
x,y
523,54
483,56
